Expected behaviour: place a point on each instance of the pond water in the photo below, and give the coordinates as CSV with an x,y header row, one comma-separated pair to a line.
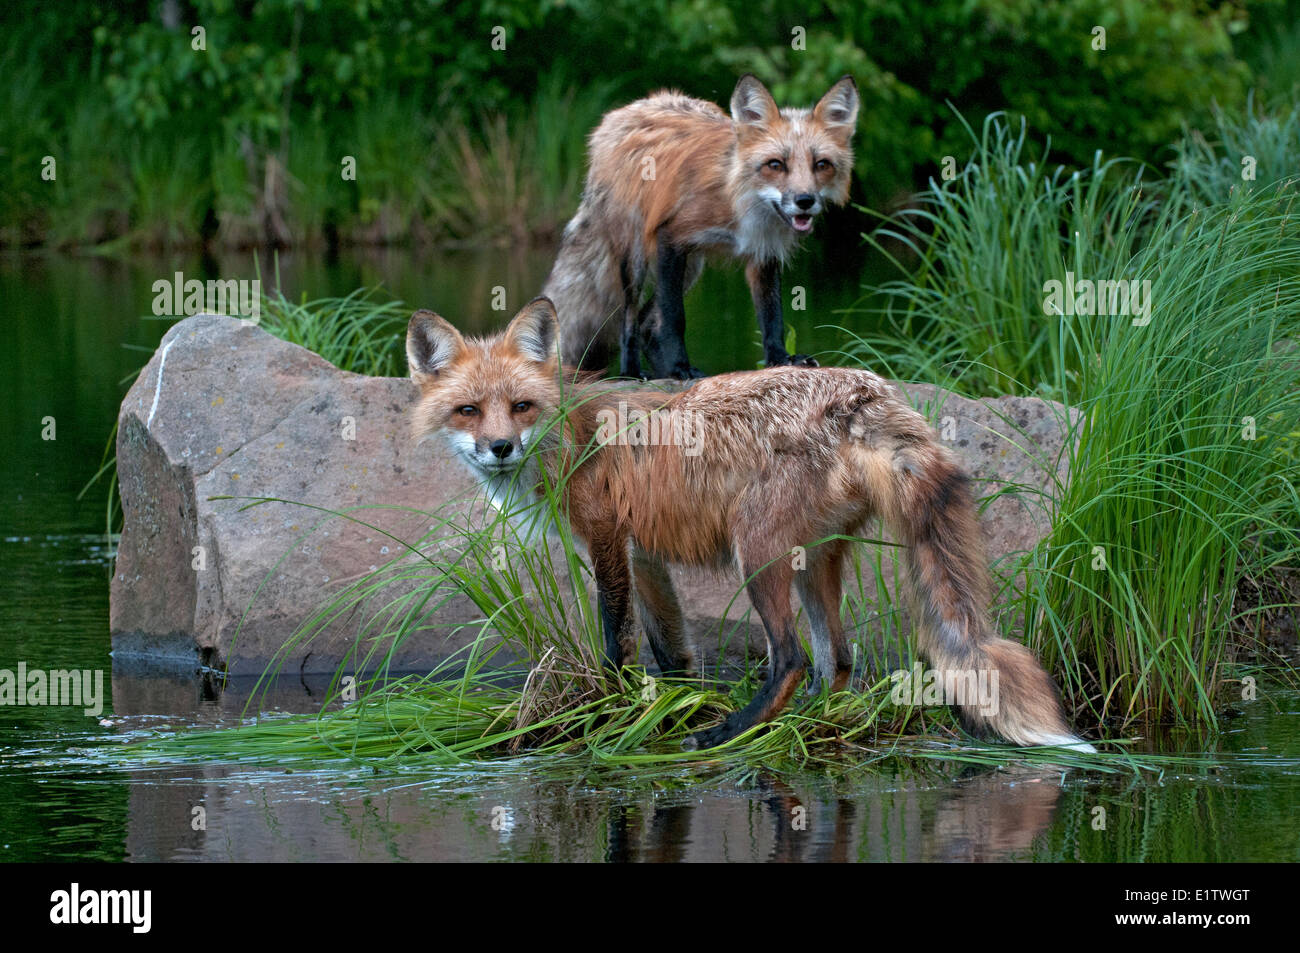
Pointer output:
x,y
76,334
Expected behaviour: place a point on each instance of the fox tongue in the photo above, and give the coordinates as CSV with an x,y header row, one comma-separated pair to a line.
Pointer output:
x,y
802,223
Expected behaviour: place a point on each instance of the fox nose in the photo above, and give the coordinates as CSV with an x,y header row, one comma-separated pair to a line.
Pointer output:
x,y
805,201
502,448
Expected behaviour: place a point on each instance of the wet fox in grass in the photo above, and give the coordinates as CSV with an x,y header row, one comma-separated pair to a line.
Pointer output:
x,y
672,179
789,456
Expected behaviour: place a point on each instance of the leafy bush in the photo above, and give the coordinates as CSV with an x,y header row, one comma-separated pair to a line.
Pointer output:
x,y
286,88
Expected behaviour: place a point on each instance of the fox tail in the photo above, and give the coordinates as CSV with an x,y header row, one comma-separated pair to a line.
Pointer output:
x,y
587,289
926,502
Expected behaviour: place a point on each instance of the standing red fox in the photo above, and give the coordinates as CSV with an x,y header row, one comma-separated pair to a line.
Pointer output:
x,y
672,179
788,456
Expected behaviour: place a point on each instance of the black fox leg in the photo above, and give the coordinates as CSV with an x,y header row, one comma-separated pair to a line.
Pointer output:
x,y
614,584
769,591
765,287
666,333
630,337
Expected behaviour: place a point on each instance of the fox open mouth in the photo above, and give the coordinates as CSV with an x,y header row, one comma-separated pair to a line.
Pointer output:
x,y
801,222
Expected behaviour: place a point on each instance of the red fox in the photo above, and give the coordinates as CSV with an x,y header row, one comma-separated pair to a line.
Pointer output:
x,y
672,179
789,456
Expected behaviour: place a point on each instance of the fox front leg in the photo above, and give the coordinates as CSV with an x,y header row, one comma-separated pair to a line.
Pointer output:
x,y
764,280
769,592
614,596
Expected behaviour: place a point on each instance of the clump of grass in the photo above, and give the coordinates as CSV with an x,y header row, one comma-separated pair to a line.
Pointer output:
x,y
1242,153
357,332
1184,467
1184,478
971,310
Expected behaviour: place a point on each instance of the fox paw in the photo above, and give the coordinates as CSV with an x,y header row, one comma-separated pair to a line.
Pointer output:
x,y
793,360
709,738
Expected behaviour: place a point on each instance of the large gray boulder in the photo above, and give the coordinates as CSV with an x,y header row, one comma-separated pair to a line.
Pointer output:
x,y
227,410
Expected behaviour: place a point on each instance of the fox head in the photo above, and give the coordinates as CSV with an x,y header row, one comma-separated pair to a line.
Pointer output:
x,y
797,160
486,396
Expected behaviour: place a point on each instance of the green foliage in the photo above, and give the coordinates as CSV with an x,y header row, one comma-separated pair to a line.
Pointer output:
x,y
1271,46
281,90
26,136
1163,64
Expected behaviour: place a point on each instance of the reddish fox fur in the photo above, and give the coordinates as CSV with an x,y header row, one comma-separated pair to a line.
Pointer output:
x,y
789,456
672,179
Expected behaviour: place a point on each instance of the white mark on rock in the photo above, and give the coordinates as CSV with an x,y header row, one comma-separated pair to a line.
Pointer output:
x,y
157,387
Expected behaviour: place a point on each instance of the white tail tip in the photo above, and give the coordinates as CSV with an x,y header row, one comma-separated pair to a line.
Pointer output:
x,y
1069,742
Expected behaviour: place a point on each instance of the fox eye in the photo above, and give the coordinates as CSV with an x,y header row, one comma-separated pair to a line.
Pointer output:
x,y
821,165
469,410
523,406
776,165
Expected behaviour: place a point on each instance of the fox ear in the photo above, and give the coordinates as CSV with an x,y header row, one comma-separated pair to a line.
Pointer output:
x,y
431,344
839,107
751,103
535,330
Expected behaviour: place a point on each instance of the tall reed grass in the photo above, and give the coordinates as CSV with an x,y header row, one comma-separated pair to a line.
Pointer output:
x,y
1185,466
1237,155
512,179
969,310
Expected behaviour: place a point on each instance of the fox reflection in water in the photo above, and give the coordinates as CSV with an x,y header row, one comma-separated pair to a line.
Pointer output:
x,y
987,816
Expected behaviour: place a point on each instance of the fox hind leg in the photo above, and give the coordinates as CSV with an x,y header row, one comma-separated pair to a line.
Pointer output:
x,y
819,587
633,315
665,323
